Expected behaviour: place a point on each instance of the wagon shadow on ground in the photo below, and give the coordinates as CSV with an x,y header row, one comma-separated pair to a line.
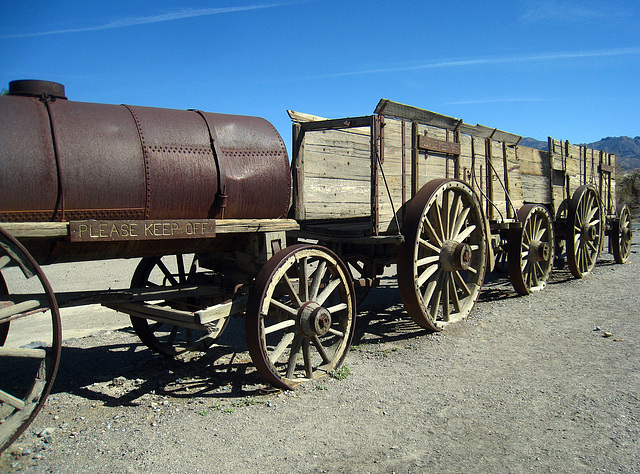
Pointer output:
x,y
119,373
117,370
496,286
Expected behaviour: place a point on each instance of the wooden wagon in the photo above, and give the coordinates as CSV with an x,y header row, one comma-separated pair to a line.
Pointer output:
x,y
447,201
442,199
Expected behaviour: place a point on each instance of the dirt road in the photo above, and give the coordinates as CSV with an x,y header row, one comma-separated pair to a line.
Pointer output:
x,y
524,384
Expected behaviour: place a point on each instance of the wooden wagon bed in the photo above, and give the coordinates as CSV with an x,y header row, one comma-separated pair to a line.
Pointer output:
x,y
367,168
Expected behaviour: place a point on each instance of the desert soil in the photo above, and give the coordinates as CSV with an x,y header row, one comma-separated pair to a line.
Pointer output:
x,y
544,383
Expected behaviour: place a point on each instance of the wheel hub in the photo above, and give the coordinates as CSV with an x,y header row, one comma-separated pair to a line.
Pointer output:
x,y
589,233
455,256
627,233
313,319
539,251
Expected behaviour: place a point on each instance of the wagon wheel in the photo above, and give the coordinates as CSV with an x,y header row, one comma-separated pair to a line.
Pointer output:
x,y
363,273
28,365
164,338
302,301
621,234
584,231
501,257
531,249
4,327
363,269
561,219
441,263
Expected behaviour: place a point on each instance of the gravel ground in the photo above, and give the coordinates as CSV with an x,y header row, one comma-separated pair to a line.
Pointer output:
x,y
544,383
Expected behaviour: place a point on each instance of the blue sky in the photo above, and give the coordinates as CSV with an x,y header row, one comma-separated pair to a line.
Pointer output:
x,y
534,67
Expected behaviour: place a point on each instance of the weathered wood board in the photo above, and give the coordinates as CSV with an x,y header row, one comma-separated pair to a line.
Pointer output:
x,y
334,169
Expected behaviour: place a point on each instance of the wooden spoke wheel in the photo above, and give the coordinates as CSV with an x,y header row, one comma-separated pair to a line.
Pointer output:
x,y
501,259
531,249
30,336
363,269
584,230
561,223
363,273
621,234
441,263
300,315
4,327
170,339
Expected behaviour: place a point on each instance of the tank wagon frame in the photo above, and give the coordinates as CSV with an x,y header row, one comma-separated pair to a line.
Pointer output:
x,y
444,200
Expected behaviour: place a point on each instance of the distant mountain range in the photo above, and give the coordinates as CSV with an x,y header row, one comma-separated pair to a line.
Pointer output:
x,y
627,149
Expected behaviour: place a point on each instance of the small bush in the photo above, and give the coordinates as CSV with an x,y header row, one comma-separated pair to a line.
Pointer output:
x,y
341,373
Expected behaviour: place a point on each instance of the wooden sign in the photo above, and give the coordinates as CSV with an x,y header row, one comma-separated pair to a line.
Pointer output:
x,y
439,146
109,231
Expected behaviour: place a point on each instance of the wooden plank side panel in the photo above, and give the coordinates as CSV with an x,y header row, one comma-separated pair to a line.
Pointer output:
x,y
433,132
387,211
612,162
535,188
478,169
533,171
431,165
337,174
574,169
592,161
332,198
466,168
336,153
559,193
556,146
515,177
497,177
533,162
345,138
574,165
390,200
331,162
607,173
435,165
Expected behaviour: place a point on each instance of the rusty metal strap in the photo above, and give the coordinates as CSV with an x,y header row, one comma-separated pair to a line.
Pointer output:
x,y
145,154
58,212
222,196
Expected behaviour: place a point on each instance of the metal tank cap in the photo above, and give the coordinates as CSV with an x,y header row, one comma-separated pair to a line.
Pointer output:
x,y
36,88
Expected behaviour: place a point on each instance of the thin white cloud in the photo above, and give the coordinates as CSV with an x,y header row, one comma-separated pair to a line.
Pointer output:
x,y
549,10
494,101
457,63
143,20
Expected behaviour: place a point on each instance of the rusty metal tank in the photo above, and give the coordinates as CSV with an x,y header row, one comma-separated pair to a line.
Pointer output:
x,y
65,161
